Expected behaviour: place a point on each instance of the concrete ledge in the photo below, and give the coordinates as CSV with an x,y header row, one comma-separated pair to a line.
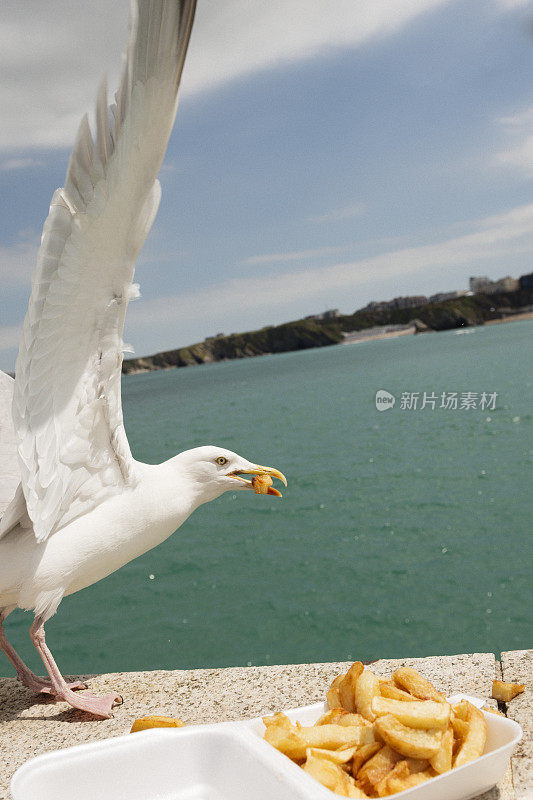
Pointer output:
x,y
31,725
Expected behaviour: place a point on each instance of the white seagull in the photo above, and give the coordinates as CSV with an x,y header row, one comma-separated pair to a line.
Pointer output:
x,y
75,504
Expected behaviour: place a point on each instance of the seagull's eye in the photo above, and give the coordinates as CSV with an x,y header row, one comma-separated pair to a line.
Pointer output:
x,y
221,460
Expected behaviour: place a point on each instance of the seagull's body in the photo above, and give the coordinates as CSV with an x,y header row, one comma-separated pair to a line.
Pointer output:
x,y
74,504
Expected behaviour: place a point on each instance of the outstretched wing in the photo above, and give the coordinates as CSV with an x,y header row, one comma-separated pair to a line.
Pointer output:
x,y
73,450
9,468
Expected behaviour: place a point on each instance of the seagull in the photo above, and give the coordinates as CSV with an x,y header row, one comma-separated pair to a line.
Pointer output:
x,y
75,505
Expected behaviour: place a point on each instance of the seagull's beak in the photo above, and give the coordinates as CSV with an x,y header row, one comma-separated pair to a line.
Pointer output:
x,y
257,469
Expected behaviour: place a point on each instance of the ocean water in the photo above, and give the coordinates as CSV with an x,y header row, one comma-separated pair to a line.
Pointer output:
x,y
402,532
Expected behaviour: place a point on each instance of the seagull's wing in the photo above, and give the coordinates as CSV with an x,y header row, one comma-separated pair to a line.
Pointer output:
x,y
73,450
9,468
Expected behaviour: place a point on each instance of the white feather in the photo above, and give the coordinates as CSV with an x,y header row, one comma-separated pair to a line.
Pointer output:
x,y
72,447
9,468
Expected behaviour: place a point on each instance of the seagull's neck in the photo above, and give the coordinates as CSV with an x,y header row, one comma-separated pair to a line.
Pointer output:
x,y
168,494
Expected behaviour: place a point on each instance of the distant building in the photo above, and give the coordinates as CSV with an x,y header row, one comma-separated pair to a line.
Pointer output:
x,y
398,302
484,285
412,301
331,313
526,281
440,297
480,284
506,284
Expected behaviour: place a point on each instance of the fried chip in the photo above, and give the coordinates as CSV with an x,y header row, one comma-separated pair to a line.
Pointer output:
x,y
332,696
331,717
412,742
398,784
145,723
277,719
366,688
410,680
341,756
415,713
332,777
376,768
442,761
261,483
389,689
363,754
399,770
347,686
473,742
295,741
503,691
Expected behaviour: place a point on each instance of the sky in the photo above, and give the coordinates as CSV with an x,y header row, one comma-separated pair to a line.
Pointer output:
x,y
325,154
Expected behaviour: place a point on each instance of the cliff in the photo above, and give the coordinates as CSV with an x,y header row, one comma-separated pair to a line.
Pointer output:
x,y
299,335
307,333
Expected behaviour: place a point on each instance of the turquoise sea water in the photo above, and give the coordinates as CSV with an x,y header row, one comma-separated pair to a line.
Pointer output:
x,y
405,532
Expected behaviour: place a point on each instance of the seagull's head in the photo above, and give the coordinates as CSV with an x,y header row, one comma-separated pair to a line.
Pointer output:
x,y
216,470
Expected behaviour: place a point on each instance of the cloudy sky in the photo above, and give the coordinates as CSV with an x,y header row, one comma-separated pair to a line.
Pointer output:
x,y
325,154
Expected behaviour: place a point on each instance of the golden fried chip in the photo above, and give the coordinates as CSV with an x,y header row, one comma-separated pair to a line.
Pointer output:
x,y
414,713
363,754
332,697
460,711
341,756
442,761
294,742
410,680
347,686
399,770
400,784
366,688
144,723
332,777
473,742
277,719
501,690
412,742
353,719
460,728
261,483
331,717
376,768
389,689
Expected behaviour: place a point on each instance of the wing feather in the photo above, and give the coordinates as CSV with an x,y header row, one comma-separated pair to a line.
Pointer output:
x,y
72,447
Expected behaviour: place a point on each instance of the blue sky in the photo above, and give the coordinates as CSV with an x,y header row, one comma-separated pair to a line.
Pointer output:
x,y
324,155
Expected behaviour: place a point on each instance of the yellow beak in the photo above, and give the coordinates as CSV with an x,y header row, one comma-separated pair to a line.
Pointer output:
x,y
257,469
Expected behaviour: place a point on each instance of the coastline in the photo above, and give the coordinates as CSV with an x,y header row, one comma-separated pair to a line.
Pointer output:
x,y
363,325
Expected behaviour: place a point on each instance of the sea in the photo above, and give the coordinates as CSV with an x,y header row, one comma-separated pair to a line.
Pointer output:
x,y
405,530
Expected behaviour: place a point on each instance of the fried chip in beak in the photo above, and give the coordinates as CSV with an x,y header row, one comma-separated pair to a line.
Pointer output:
x,y
259,470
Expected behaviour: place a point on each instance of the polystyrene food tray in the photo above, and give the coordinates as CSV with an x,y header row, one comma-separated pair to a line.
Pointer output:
x,y
227,761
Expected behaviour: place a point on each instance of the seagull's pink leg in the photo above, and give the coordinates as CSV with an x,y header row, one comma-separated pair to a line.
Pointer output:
x,y
100,706
24,673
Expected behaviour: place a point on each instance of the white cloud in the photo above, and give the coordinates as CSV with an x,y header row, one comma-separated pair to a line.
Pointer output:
x,y
338,214
508,5
10,164
295,255
495,237
17,263
518,153
53,55
9,336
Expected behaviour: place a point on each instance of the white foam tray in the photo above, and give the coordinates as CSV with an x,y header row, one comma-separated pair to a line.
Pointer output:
x,y
227,761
